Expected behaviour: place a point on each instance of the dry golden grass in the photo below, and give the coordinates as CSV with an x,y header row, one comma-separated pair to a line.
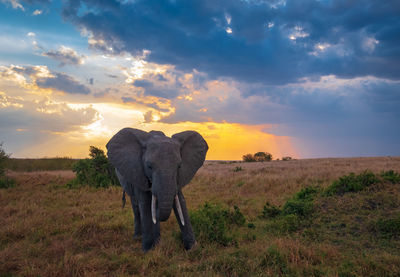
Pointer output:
x,y
47,229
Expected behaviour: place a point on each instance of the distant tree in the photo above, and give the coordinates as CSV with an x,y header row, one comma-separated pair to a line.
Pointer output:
x,y
248,158
5,182
3,160
288,158
263,157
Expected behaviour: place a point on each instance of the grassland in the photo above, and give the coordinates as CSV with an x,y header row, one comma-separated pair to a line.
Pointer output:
x,y
47,229
42,164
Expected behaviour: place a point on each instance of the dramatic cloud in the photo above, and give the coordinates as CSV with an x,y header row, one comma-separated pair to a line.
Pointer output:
x,y
253,41
42,116
65,55
64,83
330,116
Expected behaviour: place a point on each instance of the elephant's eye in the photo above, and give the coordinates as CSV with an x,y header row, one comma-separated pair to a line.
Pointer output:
x,y
180,165
149,166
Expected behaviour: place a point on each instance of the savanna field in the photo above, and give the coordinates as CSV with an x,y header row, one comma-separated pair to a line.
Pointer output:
x,y
279,218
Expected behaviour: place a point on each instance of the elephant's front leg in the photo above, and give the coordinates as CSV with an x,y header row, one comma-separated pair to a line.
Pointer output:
x,y
135,208
150,231
187,231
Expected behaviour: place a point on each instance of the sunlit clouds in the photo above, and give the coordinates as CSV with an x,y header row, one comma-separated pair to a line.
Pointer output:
x,y
301,79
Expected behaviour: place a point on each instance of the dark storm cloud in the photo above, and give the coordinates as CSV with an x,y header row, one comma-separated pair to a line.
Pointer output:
x,y
362,37
63,82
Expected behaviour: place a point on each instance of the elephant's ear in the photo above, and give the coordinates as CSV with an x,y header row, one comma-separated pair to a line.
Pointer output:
x,y
193,152
125,151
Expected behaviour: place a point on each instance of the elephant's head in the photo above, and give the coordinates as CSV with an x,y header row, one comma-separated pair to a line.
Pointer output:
x,y
153,162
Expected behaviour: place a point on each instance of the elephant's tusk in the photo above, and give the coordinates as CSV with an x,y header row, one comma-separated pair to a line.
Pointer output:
x,y
153,208
178,207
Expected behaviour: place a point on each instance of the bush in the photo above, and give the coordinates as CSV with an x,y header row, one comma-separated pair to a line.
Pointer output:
x,y
302,203
286,158
263,157
95,172
248,158
212,223
352,183
5,182
237,169
294,214
257,157
391,176
270,211
3,160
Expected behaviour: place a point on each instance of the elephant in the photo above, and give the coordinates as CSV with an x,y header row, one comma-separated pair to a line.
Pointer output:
x,y
152,169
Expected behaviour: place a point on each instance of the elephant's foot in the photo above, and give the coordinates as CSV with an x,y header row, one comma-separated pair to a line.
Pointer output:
x,y
149,244
189,244
137,236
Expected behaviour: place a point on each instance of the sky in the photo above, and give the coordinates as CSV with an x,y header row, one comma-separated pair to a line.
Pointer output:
x,y
306,79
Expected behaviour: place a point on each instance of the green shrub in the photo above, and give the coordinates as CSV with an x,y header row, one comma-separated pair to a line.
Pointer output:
x,y
212,223
5,182
286,224
3,160
352,183
388,227
391,176
95,172
302,203
307,193
270,211
294,214
298,207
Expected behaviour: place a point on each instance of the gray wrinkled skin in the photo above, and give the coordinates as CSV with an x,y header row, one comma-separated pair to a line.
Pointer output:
x,y
150,165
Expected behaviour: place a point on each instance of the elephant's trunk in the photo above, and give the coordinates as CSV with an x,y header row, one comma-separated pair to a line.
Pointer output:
x,y
164,207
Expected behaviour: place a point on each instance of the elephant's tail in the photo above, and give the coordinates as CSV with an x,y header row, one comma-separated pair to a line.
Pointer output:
x,y
123,199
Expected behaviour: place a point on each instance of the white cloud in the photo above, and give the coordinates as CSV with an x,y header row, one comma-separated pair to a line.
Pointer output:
x,y
298,32
37,12
14,3
369,44
65,55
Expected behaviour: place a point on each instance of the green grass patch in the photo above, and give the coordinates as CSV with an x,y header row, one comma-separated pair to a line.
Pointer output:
x,y
277,261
